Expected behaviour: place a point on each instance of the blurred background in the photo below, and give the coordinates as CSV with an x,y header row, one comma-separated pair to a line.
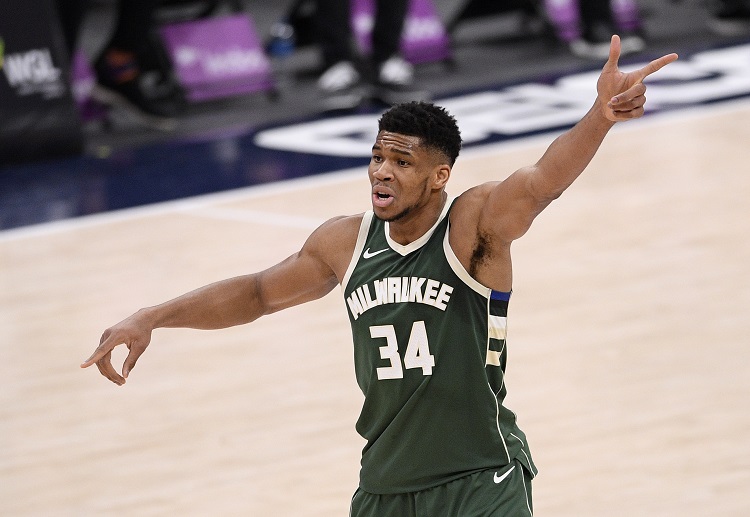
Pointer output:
x,y
68,147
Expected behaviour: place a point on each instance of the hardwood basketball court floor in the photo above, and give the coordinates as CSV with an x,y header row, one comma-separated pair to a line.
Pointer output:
x,y
628,330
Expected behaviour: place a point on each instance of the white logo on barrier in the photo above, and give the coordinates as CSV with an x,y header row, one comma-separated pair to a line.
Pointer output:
x,y
33,71
237,61
186,56
707,76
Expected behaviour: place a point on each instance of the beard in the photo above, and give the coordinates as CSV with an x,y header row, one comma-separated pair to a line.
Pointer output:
x,y
400,215
406,211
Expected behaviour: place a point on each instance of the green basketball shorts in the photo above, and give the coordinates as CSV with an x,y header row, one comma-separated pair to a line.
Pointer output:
x,y
505,492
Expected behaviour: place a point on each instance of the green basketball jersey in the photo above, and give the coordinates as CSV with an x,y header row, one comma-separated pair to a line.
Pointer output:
x,y
429,354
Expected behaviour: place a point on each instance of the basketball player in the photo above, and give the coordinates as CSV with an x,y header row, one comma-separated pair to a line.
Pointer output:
x,y
426,281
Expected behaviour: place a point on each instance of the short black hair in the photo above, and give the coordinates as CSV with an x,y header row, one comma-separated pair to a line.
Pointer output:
x,y
435,127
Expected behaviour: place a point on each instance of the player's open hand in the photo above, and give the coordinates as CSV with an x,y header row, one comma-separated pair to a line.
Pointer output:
x,y
622,95
132,332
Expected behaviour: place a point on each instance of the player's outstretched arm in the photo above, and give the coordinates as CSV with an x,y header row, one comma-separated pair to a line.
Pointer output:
x,y
620,96
307,275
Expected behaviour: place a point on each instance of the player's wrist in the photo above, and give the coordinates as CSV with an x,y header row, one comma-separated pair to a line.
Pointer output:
x,y
151,318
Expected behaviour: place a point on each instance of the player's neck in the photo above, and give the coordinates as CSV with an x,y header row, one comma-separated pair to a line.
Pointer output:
x,y
416,223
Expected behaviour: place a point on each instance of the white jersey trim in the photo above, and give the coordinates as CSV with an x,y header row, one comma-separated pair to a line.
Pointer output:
x,y
364,229
404,250
458,268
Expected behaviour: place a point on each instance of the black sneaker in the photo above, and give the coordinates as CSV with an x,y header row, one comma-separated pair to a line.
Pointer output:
x,y
121,84
594,42
394,83
731,20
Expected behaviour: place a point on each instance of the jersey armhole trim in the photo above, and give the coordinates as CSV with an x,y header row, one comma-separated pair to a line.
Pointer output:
x,y
458,268
364,229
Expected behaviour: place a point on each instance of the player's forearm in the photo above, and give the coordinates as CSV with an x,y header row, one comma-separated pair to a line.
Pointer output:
x,y
223,304
568,156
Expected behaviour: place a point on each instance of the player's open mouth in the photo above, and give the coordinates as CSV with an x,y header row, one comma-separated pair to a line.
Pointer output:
x,y
381,198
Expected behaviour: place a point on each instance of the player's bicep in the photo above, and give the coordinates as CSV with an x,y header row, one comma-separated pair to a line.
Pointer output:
x,y
300,278
512,205
308,274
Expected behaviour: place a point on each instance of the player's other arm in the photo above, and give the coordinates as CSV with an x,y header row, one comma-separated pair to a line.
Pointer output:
x,y
307,275
515,202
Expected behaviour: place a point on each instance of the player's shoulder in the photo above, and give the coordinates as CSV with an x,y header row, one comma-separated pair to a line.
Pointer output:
x,y
337,233
333,242
343,226
472,201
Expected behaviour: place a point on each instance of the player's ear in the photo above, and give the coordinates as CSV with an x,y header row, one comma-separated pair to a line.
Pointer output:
x,y
442,175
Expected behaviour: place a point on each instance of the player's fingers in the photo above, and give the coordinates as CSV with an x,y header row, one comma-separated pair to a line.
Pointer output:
x,y
628,114
614,54
628,96
106,369
96,356
655,65
131,359
106,344
638,102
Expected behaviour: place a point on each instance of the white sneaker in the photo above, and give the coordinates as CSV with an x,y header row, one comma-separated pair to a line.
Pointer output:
x,y
340,76
584,48
631,44
396,71
342,87
394,85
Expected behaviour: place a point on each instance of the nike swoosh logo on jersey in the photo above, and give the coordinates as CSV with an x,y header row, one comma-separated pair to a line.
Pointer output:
x,y
499,479
367,254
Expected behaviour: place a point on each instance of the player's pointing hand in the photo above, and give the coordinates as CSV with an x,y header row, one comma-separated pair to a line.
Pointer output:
x,y
622,95
131,332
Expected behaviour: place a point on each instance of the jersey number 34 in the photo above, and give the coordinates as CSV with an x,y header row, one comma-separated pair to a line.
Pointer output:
x,y
417,354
